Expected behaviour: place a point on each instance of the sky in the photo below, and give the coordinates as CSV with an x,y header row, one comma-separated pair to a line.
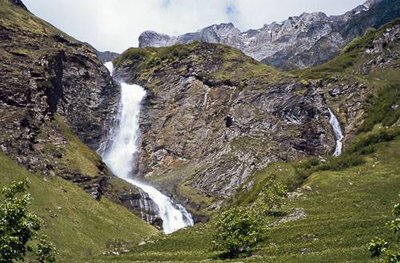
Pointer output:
x,y
115,25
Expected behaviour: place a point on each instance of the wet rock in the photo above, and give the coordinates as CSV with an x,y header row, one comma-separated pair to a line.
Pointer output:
x,y
140,202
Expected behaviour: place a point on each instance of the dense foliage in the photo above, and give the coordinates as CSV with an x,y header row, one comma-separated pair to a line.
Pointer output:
x,y
18,227
240,228
237,230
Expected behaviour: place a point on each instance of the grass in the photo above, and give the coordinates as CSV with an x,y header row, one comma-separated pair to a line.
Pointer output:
x,y
13,17
151,57
78,225
78,155
345,209
383,107
225,64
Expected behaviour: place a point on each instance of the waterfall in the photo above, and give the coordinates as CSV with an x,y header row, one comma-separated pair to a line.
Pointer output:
x,y
337,130
122,150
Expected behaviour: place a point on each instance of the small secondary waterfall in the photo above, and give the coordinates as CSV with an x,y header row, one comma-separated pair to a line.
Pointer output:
x,y
337,130
122,149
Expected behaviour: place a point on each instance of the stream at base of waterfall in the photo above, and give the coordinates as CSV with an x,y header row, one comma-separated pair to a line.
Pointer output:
x,y
122,147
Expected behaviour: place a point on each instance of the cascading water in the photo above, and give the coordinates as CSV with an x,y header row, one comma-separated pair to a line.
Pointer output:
x,y
120,156
337,130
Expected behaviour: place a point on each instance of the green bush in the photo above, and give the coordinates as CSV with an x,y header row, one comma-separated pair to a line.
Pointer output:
x,y
377,246
18,227
342,162
237,230
240,228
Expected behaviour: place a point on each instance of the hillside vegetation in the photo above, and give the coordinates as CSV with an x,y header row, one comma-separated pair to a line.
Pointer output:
x,y
344,210
78,225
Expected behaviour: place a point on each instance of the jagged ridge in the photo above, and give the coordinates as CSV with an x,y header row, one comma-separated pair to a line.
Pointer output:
x,y
299,42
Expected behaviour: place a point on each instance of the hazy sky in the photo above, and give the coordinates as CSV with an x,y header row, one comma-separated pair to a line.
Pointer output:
x,y
116,24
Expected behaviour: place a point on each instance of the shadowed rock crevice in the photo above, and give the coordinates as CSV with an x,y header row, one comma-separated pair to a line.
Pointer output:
x,y
55,93
19,3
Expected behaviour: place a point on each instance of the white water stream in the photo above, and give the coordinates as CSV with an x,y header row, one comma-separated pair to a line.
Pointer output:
x,y
337,130
120,156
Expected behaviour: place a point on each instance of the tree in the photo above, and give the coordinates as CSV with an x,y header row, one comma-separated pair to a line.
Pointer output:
x,y
240,228
378,247
18,227
237,230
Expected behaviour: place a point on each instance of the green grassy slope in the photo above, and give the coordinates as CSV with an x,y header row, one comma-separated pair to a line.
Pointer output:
x,y
78,225
18,18
344,210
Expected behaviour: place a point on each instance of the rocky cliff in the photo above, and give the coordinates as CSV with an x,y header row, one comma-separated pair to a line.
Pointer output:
x,y
213,116
57,102
106,56
299,42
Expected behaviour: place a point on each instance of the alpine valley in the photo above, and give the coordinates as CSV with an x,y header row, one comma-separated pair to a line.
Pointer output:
x,y
134,160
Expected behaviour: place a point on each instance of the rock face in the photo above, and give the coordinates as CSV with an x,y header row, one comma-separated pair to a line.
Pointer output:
x,y
19,4
107,56
213,116
55,94
299,42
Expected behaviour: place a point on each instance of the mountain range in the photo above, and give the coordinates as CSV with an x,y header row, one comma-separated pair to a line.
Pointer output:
x,y
298,42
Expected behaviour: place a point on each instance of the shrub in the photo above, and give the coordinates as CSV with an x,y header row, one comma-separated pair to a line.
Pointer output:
x,y
342,162
377,246
18,227
240,228
237,230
